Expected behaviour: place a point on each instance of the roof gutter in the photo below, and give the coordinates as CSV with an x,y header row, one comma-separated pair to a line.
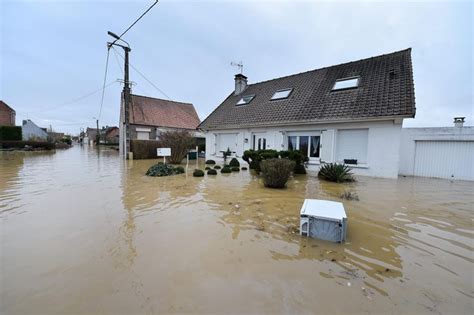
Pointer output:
x,y
311,122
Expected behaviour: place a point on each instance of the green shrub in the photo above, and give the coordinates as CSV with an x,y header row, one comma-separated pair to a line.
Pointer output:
x,y
276,172
243,168
226,170
234,163
144,149
161,169
207,168
299,169
335,172
198,173
235,169
254,158
211,172
27,144
210,162
179,169
12,133
217,167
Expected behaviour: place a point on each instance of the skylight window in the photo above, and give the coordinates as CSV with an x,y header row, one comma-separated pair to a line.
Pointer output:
x,y
280,94
245,99
347,83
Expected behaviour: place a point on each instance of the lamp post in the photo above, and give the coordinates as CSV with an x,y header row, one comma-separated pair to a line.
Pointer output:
x,y
125,133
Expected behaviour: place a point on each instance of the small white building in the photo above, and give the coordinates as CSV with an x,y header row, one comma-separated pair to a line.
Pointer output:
x,y
31,132
352,111
442,152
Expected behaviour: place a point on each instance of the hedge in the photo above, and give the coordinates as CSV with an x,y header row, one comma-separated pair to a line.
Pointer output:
x,y
10,133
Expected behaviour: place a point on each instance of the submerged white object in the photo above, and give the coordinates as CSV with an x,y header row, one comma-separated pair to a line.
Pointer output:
x,y
323,219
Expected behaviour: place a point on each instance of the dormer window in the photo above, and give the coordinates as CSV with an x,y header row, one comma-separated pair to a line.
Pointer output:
x,y
281,94
245,99
346,83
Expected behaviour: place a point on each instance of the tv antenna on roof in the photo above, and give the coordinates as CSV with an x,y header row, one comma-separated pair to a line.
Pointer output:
x,y
240,65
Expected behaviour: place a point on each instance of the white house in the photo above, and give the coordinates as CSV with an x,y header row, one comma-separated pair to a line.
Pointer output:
x,y
443,152
31,131
352,113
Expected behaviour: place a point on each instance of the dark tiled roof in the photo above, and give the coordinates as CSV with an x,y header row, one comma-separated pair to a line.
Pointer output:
x,y
162,113
385,90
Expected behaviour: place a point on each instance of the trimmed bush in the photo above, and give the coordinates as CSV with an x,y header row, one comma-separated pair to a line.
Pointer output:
x,y
11,133
234,163
211,172
226,170
23,145
254,158
299,169
335,172
210,162
276,172
161,169
207,168
217,167
198,173
243,168
235,169
144,149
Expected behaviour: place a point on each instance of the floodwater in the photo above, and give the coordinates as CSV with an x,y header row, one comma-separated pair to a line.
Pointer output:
x,y
84,233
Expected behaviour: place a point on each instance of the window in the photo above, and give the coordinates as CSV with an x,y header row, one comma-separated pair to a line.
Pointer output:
x,y
347,83
245,99
352,145
308,145
280,94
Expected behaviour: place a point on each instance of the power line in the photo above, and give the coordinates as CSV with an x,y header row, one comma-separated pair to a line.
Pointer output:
x,y
156,1
103,85
80,98
144,77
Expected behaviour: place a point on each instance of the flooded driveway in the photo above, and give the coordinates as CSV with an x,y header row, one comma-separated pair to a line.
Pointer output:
x,y
84,233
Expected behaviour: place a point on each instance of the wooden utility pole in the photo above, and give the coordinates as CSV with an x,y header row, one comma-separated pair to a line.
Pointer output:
x,y
126,102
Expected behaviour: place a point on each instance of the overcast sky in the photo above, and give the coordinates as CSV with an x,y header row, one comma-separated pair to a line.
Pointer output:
x,y
54,52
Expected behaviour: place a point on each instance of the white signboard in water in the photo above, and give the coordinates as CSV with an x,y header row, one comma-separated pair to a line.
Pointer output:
x,y
163,151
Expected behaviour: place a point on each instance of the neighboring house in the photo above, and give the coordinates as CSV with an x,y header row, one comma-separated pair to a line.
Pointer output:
x,y
31,132
55,136
443,152
90,135
148,117
109,135
7,115
351,111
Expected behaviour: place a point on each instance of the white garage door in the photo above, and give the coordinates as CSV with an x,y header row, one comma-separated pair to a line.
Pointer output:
x,y
445,159
227,140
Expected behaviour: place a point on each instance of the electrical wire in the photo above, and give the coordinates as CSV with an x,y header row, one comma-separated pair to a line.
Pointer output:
x,y
103,85
156,1
143,76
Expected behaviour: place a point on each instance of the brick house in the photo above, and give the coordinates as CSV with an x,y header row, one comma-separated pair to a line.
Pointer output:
x,y
7,115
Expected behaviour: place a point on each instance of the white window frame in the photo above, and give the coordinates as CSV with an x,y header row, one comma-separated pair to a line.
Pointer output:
x,y
309,134
242,102
274,97
356,78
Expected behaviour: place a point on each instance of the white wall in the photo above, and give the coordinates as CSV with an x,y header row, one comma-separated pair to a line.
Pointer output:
x,y
383,143
409,136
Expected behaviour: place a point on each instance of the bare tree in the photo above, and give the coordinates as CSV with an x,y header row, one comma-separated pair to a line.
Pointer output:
x,y
180,141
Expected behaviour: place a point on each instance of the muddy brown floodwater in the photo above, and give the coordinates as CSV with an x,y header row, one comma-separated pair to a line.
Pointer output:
x,y
84,233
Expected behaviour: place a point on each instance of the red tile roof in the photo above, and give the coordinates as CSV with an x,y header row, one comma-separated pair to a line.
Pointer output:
x,y
162,113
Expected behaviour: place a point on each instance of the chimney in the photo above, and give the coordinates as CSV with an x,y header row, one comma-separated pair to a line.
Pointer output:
x,y
240,83
459,121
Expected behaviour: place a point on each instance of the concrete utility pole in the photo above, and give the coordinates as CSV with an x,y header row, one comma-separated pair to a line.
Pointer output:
x,y
125,142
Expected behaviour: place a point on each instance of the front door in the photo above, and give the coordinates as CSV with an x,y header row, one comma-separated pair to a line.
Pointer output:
x,y
259,141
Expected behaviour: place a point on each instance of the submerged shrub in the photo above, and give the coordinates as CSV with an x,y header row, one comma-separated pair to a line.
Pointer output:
x,y
299,169
335,172
211,172
198,173
243,168
207,168
210,162
234,163
161,169
226,170
276,172
349,195
217,167
235,169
